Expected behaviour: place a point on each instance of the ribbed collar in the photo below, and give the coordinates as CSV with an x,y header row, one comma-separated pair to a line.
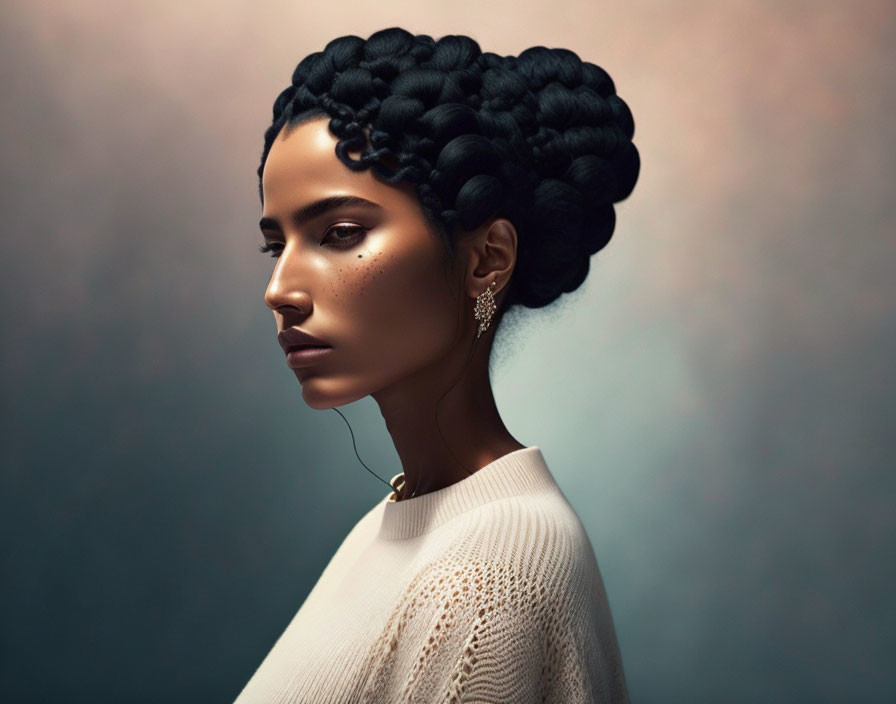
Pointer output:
x,y
522,471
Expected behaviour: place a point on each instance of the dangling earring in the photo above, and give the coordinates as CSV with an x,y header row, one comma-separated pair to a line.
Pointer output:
x,y
485,308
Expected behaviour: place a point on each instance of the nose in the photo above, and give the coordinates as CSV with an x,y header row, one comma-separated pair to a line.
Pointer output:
x,y
285,291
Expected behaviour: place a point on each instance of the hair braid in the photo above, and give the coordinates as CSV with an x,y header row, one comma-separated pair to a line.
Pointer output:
x,y
541,139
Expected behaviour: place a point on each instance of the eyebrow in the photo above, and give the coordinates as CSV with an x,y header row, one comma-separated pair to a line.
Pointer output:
x,y
308,212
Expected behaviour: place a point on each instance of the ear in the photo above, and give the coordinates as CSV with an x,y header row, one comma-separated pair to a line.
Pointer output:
x,y
490,255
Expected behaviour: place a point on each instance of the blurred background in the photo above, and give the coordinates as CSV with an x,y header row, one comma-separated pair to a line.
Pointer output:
x,y
716,401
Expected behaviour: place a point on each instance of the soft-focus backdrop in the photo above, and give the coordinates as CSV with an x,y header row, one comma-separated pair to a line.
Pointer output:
x,y
717,401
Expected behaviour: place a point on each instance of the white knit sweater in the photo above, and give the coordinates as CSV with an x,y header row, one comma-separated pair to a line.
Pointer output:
x,y
485,591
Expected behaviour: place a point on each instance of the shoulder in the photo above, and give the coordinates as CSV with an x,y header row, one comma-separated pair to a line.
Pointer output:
x,y
538,531
531,548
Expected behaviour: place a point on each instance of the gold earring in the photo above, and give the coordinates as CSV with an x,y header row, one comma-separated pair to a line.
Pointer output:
x,y
485,308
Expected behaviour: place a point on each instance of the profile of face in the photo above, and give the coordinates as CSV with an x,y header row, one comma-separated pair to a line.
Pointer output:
x,y
367,277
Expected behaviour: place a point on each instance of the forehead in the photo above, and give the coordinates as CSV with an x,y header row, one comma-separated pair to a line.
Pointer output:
x,y
303,166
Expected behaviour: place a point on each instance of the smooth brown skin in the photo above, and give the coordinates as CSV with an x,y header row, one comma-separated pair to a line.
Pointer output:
x,y
385,302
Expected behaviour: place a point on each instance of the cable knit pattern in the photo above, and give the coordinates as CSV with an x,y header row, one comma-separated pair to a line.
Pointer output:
x,y
486,591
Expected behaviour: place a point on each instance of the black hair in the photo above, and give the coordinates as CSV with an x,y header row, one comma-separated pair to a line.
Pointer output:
x,y
541,139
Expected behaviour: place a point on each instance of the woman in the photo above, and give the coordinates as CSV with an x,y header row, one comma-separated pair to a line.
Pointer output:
x,y
413,191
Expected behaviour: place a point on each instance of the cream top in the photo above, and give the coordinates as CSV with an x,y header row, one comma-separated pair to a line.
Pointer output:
x,y
487,590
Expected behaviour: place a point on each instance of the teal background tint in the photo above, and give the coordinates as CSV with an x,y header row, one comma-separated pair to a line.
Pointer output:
x,y
716,401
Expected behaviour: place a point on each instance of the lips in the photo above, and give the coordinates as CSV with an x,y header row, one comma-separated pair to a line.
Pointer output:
x,y
292,348
294,338
305,355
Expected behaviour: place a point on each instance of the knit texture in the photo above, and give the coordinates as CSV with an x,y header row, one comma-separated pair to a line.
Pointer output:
x,y
486,591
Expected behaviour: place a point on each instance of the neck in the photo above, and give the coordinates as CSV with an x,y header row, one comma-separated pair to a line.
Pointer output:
x,y
470,433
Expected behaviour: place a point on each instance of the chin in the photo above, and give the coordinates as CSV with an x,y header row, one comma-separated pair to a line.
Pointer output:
x,y
321,394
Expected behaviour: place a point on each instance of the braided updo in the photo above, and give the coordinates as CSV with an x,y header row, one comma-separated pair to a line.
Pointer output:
x,y
541,139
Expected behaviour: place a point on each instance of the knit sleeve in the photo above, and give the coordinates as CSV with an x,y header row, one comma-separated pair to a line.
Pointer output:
x,y
489,632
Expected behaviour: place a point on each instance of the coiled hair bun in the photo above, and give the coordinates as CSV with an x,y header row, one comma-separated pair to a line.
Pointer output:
x,y
541,139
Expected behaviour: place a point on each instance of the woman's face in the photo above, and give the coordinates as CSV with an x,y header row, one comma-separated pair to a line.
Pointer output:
x,y
368,280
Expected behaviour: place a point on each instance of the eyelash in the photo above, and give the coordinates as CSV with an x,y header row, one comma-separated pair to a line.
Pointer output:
x,y
276,248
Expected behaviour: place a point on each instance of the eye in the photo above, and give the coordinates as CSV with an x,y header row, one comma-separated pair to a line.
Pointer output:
x,y
344,241
355,233
275,247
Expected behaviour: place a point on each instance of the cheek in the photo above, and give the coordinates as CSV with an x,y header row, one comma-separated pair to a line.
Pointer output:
x,y
399,300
